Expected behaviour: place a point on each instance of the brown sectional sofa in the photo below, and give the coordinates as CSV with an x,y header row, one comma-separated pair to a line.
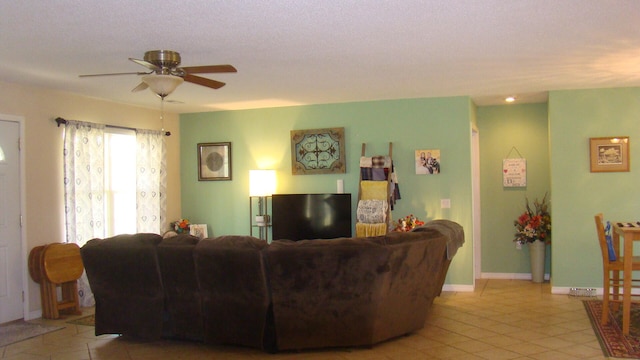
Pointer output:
x,y
285,295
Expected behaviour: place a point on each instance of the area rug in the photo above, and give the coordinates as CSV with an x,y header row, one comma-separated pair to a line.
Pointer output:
x,y
613,343
86,321
17,331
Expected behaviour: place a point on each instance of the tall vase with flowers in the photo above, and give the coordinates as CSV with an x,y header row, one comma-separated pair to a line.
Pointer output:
x,y
533,227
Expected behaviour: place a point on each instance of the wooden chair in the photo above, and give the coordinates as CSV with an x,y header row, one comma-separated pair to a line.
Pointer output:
x,y
611,271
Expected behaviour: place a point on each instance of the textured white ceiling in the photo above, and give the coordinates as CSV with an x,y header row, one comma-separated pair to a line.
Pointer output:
x,y
294,52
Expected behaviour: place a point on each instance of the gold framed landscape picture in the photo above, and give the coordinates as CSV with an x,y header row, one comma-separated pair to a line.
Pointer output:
x,y
609,154
214,161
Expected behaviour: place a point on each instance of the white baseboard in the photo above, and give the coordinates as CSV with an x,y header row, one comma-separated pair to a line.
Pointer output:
x,y
34,315
510,276
459,288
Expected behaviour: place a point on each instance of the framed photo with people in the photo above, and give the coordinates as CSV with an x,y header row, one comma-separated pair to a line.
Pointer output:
x,y
427,162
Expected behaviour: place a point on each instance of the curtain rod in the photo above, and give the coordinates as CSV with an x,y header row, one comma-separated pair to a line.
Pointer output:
x,y
61,121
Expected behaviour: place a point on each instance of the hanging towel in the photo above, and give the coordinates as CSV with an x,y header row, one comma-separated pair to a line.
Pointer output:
x,y
379,174
366,230
373,190
381,162
372,211
366,173
365,161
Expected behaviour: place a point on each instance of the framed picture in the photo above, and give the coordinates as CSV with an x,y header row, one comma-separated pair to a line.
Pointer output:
x,y
214,161
427,162
318,151
609,154
198,230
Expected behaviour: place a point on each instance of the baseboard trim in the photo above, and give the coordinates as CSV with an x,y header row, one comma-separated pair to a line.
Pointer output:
x,y
510,276
34,315
458,288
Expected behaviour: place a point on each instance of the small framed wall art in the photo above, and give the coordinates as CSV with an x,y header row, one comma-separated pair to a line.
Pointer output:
x,y
198,230
427,162
214,161
609,154
318,151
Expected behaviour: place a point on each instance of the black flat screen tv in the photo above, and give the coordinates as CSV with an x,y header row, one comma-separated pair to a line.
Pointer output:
x,y
311,216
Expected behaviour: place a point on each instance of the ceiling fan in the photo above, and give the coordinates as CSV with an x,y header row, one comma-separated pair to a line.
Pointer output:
x,y
165,73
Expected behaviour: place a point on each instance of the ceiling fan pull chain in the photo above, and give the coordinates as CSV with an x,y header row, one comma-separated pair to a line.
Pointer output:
x,y
162,111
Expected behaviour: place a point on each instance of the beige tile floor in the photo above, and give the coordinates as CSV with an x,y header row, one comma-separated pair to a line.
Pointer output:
x,y
502,319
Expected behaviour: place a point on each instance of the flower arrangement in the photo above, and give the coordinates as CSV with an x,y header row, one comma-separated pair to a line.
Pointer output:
x,y
534,224
181,226
408,223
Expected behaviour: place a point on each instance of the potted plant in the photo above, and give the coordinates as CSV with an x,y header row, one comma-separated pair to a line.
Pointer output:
x,y
533,227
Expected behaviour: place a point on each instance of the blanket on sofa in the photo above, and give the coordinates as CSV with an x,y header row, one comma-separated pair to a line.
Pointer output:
x,y
452,230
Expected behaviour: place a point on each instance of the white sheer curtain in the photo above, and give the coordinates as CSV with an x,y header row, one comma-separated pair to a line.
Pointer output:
x,y
84,186
151,181
84,189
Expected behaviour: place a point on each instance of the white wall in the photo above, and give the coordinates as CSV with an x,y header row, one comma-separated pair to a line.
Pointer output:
x,y
42,146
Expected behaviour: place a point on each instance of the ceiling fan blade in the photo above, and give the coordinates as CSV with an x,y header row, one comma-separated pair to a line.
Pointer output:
x,y
146,64
143,85
209,69
214,84
122,73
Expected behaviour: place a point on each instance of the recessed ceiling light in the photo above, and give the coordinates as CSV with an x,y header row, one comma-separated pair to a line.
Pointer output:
x,y
510,99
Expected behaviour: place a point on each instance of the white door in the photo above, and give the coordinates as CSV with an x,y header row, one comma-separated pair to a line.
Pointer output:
x,y
11,263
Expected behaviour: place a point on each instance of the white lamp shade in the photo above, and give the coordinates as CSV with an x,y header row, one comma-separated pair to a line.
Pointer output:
x,y
162,85
262,182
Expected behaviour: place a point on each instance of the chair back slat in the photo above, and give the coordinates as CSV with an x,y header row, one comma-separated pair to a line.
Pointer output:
x,y
602,239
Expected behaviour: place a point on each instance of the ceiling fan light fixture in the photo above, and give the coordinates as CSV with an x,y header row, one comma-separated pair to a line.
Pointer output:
x,y
162,85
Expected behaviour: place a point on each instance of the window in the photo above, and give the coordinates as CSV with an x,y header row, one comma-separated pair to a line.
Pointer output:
x,y
120,181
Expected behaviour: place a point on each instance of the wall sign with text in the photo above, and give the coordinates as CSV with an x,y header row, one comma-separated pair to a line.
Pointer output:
x,y
514,172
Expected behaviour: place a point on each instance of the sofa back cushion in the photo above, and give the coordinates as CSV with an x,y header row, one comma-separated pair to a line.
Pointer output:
x,y
182,297
235,299
124,276
325,292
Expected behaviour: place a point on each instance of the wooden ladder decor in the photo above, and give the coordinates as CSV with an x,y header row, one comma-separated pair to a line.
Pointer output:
x,y
388,181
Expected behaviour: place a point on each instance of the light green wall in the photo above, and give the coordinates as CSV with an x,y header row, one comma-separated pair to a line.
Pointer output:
x,y
578,194
501,129
552,137
261,140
